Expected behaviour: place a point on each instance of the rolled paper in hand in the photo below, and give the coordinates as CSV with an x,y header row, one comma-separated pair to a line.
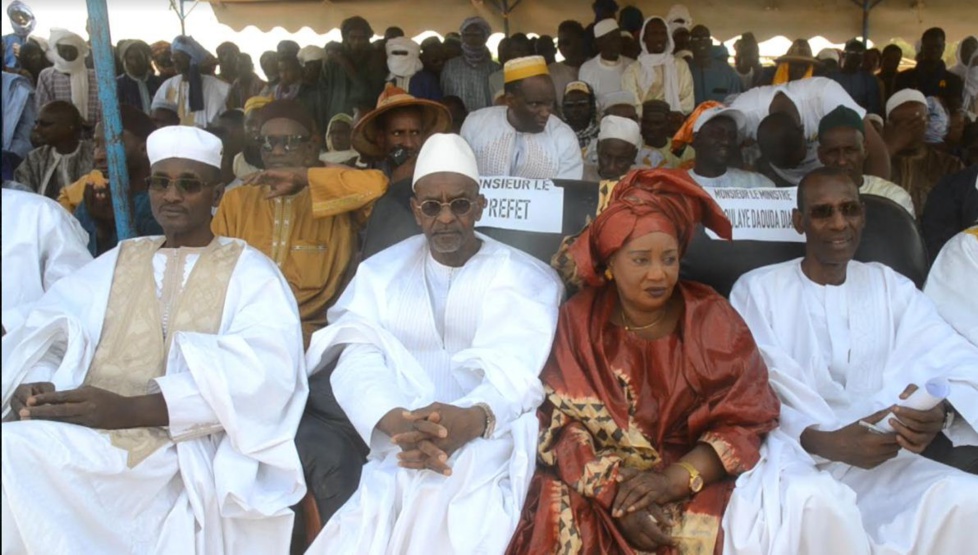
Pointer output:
x,y
925,398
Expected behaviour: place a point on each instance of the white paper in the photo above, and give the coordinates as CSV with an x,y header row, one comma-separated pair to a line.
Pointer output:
x,y
759,214
925,398
522,204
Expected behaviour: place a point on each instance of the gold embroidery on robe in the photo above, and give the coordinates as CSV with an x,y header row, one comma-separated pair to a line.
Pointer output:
x,y
132,350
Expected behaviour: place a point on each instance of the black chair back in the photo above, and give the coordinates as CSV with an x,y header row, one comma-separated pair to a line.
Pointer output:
x,y
890,237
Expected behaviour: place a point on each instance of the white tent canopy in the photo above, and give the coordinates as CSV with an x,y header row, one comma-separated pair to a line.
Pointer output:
x,y
836,20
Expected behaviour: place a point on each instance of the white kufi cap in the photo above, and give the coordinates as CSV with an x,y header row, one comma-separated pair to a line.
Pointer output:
x,y
445,152
189,143
604,27
902,97
616,127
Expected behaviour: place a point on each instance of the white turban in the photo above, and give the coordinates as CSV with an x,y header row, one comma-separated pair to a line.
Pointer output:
x,y
608,100
75,69
677,13
615,127
311,53
604,27
900,98
445,152
400,64
188,143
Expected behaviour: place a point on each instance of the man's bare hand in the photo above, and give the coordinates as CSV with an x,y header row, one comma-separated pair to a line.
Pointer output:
x,y
916,429
98,202
900,135
432,447
854,444
86,406
24,393
281,182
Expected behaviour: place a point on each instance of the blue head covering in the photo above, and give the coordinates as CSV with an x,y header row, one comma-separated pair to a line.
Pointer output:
x,y
197,55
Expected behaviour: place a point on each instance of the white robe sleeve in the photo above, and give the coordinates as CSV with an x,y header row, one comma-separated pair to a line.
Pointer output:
x,y
802,406
571,163
511,346
42,244
951,282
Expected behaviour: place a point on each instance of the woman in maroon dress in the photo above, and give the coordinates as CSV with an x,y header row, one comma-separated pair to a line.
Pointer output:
x,y
657,397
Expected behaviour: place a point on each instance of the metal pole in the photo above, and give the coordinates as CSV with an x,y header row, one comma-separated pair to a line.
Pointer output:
x,y
98,15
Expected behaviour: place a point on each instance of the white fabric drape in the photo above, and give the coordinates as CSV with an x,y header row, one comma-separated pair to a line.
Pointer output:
x,y
42,243
665,59
952,280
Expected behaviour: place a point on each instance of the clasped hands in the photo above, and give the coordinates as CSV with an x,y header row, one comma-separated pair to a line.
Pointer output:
x,y
639,503
430,435
87,406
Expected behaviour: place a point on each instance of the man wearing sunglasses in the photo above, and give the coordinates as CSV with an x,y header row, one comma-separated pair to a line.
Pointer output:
x,y
437,344
305,218
160,370
846,344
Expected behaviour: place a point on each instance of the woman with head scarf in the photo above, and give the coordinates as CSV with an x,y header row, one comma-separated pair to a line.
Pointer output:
x,y
69,79
137,85
339,149
407,72
658,74
200,98
656,394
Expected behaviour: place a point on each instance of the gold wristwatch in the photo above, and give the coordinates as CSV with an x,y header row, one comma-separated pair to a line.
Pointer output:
x,y
695,480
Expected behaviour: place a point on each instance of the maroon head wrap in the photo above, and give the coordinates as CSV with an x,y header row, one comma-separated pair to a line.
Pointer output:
x,y
643,202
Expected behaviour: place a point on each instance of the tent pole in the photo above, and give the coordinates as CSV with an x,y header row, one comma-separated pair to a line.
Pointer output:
x,y
866,6
98,15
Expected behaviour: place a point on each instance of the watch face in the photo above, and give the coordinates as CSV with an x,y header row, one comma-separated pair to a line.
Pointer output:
x,y
696,484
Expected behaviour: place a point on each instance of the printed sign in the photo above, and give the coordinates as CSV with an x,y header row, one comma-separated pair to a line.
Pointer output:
x,y
522,204
762,214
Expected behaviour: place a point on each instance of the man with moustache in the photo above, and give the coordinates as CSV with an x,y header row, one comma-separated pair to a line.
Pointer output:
x,y
524,138
143,385
437,376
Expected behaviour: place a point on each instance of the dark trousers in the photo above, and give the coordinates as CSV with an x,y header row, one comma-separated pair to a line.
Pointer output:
x,y
331,450
964,457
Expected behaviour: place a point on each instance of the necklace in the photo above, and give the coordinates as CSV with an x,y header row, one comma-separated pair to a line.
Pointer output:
x,y
629,327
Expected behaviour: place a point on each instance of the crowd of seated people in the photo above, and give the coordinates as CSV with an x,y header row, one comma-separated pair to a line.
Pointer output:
x,y
241,375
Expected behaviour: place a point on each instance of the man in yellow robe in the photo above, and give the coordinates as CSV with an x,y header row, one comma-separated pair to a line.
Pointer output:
x,y
305,218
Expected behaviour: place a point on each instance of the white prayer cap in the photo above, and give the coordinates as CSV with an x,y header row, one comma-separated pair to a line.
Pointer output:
x,y
618,97
900,98
445,152
828,54
189,143
311,53
877,118
736,115
604,27
616,127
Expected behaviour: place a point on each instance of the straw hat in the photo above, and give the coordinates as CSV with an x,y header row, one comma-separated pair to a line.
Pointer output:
x,y
799,52
435,118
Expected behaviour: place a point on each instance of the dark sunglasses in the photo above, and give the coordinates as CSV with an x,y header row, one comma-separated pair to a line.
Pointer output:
x,y
287,142
459,207
186,185
851,209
